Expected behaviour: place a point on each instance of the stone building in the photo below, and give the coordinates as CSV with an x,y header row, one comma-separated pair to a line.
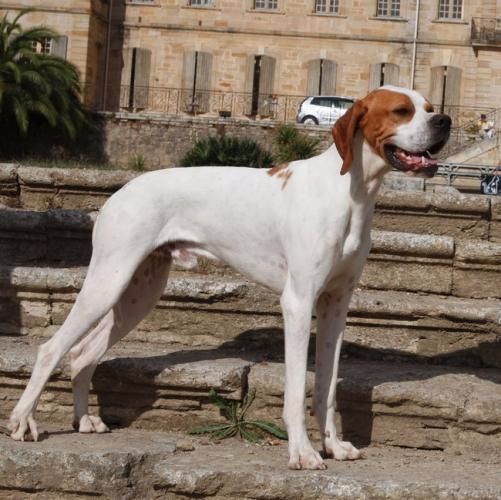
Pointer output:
x,y
139,53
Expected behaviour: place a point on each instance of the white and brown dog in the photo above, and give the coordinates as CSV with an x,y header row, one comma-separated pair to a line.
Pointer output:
x,y
301,229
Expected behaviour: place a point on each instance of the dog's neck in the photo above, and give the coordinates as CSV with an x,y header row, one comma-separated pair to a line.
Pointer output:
x,y
366,172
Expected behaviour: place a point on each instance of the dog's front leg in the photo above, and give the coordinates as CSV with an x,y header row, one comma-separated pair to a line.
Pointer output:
x,y
332,309
297,307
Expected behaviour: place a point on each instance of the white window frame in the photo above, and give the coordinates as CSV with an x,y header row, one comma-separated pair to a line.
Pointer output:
x,y
326,6
266,5
388,8
44,47
450,9
200,3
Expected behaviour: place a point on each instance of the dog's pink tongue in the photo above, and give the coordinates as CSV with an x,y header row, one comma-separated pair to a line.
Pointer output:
x,y
416,161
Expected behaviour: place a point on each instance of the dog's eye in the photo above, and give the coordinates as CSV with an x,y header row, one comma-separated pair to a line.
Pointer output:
x,y
401,111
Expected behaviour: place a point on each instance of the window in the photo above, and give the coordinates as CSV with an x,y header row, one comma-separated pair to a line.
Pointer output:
x,y
135,79
200,3
388,8
266,4
51,46
197,76
383,74
43,47
445,88
327,6
321,77
259,85
450,9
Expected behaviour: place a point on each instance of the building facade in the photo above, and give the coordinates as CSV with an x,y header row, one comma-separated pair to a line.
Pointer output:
x,y
191,55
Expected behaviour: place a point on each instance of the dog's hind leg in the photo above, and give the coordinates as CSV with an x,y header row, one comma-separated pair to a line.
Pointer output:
x,y
108,276
144,290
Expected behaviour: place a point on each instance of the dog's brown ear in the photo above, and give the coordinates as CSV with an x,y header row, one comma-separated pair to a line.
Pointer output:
x,y
344,131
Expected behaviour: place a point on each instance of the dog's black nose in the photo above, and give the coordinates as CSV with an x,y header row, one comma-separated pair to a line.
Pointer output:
x,y
441,122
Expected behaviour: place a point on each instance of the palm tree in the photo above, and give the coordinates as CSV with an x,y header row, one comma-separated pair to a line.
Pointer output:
x,y
34,85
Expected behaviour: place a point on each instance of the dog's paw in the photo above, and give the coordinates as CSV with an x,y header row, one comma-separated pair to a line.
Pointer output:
x,y
89,424
23,428
308,459
341,450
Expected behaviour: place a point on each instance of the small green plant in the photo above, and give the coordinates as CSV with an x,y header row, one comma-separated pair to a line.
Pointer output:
x,y
137,162
236,425
227,151
290,145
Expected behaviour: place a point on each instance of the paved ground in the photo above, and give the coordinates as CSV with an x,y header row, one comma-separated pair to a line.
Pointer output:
x,y
141,464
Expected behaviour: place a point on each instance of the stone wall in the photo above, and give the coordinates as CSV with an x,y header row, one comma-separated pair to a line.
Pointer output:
x,y
163,141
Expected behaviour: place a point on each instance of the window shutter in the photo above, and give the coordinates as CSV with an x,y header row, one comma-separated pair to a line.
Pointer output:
x,y
375,76
329,71
452,86
126,78
59,46
313,81
188,80
203,81
142,68
391,74
249,84
266,81
188,70
437,85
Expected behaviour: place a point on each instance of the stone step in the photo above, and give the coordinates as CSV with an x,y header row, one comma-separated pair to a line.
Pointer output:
x,y
445,212
158,387
148,386
131,464
398,261
215,310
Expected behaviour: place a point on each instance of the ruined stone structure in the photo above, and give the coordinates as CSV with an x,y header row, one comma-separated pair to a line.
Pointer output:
x,y
447,49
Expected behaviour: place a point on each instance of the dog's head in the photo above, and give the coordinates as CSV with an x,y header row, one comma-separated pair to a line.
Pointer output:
x,y
399,125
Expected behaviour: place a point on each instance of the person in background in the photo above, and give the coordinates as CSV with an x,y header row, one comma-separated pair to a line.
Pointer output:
x,y
485,127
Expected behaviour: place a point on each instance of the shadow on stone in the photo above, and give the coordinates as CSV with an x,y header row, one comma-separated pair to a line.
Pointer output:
x,y
135,398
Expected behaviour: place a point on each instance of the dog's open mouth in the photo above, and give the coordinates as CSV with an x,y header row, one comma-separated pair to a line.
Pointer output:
x,y
421,163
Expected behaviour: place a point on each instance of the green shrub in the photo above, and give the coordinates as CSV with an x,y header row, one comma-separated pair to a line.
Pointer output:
x,y
290,144
227,151
137,162
236,423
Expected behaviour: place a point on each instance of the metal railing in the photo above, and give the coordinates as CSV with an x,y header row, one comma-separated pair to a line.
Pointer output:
x,y
470,133
210,103
486,31
278,107
453,171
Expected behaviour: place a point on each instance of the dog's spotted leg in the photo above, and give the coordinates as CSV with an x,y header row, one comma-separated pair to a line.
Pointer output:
x,y
144,290
332,308
86,311
297,310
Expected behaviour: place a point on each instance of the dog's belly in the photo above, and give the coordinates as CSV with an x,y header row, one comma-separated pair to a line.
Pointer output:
x,y
267,270
224,213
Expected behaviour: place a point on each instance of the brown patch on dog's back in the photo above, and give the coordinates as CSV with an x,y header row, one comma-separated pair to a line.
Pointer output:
x,y
275,170
281,172
286,175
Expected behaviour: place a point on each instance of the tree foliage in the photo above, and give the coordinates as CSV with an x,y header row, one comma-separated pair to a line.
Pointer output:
x,y
35,85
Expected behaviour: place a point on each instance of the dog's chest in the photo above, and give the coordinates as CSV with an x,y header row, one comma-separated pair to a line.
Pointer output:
x,y
355,244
